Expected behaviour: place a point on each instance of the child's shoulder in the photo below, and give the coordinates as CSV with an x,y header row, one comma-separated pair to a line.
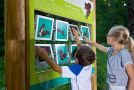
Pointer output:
x,y
77,68
110,49
125,52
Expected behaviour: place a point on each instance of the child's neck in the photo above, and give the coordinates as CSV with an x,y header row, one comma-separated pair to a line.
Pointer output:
x,y
117,48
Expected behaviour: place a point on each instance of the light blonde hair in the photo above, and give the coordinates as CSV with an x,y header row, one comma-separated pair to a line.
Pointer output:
x,y
121,34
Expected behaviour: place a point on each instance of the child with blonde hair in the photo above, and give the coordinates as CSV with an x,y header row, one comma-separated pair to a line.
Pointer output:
x,y
120,70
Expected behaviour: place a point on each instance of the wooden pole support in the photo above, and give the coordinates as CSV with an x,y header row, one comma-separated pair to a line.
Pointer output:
x,y
15,45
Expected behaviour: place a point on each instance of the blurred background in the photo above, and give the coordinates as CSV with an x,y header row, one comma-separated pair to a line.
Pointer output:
x,y
2,60
108,14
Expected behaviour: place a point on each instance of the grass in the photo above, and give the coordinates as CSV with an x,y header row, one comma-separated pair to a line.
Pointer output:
x,y
2,73
63,87
101,70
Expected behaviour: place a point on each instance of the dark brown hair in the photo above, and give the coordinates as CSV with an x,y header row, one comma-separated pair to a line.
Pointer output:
x,y
85,55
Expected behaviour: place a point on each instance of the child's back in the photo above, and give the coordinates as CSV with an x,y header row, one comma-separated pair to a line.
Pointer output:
x,y
80,73
80,76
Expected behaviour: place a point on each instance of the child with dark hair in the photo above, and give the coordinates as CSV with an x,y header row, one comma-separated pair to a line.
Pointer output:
x,y
80,72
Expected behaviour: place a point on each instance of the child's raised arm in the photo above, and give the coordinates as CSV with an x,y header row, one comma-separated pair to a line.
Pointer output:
x,y
99,46
44,55
78,42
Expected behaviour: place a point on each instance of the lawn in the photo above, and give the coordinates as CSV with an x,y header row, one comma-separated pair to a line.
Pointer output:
x,y
64,87
2,73
101,70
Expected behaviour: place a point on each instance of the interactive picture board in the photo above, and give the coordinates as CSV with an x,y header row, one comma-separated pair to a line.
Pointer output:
x,y
51,24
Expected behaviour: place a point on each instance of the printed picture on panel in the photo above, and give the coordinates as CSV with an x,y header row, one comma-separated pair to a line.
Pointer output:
x,y
44,28
40,63
62,54
85,5
61,30
74,27
85,32
73,52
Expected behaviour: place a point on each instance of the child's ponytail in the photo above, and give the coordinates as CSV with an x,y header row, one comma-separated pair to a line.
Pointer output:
x,y
122,36
130,46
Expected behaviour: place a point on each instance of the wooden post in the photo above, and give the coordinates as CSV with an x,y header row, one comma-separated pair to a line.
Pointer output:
x,y
94,32
15,45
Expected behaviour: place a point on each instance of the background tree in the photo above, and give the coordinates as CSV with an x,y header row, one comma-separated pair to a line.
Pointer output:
x,y
2,61
1,28
131,16
110,13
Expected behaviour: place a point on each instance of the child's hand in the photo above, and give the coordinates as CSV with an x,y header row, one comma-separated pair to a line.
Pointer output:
x,y
88,41
41,53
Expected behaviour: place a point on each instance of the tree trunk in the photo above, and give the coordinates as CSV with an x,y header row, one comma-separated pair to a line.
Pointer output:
x,y
131,16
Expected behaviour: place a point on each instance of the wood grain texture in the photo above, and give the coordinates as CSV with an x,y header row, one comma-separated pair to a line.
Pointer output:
x,y
15,19
15,62
15,45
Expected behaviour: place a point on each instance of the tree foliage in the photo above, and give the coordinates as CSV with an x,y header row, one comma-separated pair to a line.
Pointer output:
x,y
2,28
131,16
110,13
